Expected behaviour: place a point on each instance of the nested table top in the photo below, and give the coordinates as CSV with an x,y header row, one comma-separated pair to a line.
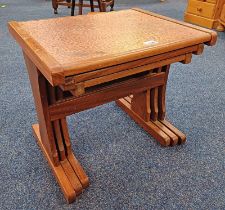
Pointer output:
x,y
72,45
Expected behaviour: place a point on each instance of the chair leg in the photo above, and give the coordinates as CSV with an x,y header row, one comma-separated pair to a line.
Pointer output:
x,y
112,6
99,5
102,6
55,6
73,8
92,5
80,7
68,1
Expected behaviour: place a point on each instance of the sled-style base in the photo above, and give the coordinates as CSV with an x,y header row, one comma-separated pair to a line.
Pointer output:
x,y
164,132
69,173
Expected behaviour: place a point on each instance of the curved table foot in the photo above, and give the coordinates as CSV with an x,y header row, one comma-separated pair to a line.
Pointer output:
x,y
164,132
69,173
148,109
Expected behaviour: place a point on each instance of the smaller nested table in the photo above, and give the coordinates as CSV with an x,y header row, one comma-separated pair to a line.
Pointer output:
x,y
76,63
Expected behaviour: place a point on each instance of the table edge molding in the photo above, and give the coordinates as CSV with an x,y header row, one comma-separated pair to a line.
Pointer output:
x,y
48,66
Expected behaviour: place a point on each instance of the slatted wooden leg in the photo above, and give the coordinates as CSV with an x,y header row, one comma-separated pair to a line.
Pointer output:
x,y
176,136
53,137
148,110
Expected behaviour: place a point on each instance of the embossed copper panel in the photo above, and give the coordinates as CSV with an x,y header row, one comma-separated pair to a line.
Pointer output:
x,y
68,46
78,39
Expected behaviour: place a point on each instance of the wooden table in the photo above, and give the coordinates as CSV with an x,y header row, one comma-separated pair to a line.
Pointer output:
x,y
76,63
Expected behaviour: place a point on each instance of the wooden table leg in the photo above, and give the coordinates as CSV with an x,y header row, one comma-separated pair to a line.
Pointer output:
x,y
148,109
53,137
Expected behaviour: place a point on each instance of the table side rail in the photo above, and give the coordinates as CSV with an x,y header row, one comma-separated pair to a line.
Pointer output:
x,y
86,80
110,93
70,80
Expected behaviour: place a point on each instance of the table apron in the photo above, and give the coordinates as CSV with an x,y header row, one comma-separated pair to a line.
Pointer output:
x,y
77,104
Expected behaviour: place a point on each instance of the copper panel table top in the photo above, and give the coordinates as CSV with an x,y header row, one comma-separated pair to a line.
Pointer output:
x,y
72,45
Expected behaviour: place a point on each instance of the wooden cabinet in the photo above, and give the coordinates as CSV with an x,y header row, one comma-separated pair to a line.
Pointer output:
x,y
203,9
222,16
205,13
221,26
